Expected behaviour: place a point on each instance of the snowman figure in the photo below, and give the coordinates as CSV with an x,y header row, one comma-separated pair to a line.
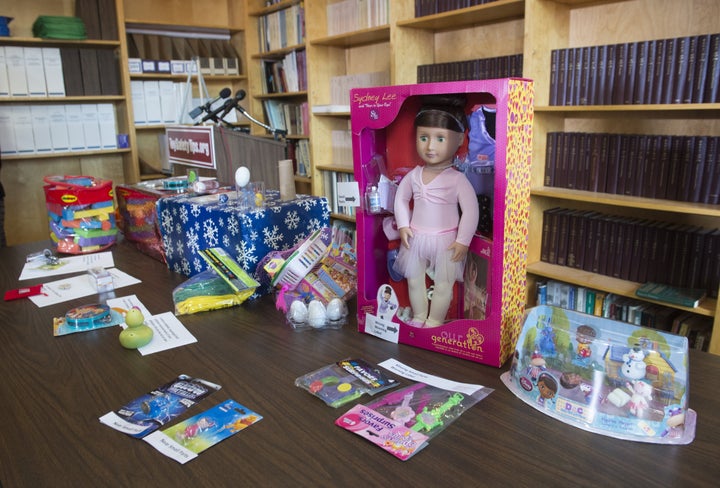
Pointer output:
x,y
633,366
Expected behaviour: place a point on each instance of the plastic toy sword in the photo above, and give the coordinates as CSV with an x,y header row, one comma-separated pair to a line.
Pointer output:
x,y
429,420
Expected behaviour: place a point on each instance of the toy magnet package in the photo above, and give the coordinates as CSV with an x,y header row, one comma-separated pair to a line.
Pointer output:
x,y
603,376
86,317
342,382
185,440
147,413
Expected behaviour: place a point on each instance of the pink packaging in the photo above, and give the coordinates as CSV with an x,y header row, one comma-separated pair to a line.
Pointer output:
x,y
486,312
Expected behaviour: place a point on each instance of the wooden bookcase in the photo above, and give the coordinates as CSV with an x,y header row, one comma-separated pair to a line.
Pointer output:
x,y
575,23
22,175
219,18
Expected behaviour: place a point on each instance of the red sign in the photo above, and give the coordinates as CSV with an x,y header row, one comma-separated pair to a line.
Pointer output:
x,y
191,146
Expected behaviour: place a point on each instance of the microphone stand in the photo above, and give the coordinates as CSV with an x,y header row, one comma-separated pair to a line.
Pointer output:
x,y
277,133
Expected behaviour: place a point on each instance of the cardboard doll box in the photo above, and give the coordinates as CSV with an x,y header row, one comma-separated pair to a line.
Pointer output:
x,y
604,376
485,316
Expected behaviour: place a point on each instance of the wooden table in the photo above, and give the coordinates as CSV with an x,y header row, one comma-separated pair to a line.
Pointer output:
x,y
55,388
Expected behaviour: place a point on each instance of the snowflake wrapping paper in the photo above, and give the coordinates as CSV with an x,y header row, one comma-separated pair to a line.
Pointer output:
x,y
190,223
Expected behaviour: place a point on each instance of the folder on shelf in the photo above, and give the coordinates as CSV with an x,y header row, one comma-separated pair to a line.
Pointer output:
x,y
108,20
90,72
22,122
4,82
41,128
89,12
107,125
137,95
17,76
91,126
58,128
76,134
153,108
7,131
168,110
52,64
109,71
34,71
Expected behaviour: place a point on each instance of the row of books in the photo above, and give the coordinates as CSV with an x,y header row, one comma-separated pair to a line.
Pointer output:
x,y
340,86
353,15
169,54
290,116
298,150
57,72
282,28
332,180
696,328
473,69
99,17
57,128
430,7
285,75
632,249
671,167
658,71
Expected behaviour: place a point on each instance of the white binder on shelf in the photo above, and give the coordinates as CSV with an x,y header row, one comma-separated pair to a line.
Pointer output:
x,y
41,128
58,128
35,71
52,63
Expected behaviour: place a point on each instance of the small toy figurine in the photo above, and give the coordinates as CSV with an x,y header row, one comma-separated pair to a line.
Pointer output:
x,y
584,335
387,303
537,366
634,366
193,430
137,333
547,386
640,397
435,235
675,423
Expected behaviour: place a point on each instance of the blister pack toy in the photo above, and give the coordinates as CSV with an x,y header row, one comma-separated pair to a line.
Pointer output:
x,y
148,412
404,420
340,383
85,318
604,376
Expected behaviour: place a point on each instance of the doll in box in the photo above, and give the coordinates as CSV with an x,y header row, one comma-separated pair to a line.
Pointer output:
x,y
436,230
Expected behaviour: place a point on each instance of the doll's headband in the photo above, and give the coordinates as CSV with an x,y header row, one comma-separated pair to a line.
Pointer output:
x,y
460,127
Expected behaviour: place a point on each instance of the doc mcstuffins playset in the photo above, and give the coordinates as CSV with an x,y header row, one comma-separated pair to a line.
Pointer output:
x,y
604,376
419,151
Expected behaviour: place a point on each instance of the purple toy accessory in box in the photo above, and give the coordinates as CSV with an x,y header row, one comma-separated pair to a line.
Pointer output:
x,y
485,313
604,376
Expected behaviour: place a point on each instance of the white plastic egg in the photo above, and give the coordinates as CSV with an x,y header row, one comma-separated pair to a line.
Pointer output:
x,y
335,309
298,312
242,176
317,316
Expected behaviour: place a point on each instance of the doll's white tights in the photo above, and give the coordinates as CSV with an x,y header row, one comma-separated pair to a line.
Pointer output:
x,y
441,298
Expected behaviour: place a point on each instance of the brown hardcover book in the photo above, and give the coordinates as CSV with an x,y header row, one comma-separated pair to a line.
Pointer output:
x,y
658,78
599,255
590,241
108,20
573,163
611,181
594,75
640,163
72,73
711,93
665,240
551,150
642,251
613,254
88,11
582,175
669,70
631,72
562,75
680,254
674,167
562,159
548,245
593,156
628,246
583,236
689,87
569,88
608,87
623,161
650,167
641,71
701,69
682,64
110,72
650,60
663,167
563,229
602,170
684,192
696,258
90,72
711,270
712,168
698,169
621,64
572,239
583,74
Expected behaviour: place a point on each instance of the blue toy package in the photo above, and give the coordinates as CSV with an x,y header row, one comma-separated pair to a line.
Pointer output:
x,y
148,412
604,376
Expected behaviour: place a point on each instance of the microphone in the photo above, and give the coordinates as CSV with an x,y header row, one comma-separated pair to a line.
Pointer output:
x,y
194,113
239,95
213,115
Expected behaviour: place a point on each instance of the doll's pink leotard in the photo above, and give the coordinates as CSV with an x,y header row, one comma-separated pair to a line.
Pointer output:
x,y
435,221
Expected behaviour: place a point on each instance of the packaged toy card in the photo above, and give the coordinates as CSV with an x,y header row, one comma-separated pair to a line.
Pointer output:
x,y
185,440
342,382
604,376
148,412
403,421
87,317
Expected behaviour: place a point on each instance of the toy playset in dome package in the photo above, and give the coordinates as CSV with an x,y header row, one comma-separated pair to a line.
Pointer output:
x,y
604,376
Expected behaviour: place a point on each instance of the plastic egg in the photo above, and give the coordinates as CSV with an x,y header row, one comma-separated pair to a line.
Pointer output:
x,y
317,317
335,309
298,312
242,176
